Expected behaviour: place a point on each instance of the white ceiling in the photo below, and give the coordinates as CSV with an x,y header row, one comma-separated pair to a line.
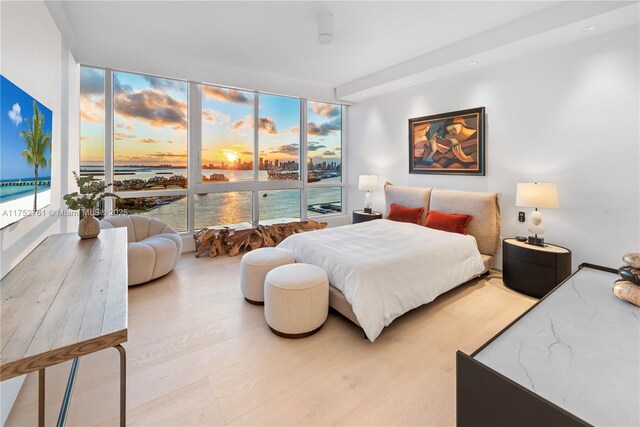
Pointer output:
x,y
279,38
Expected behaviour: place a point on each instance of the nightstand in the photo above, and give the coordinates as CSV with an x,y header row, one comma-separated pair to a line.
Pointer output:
x,y
362,216
534,270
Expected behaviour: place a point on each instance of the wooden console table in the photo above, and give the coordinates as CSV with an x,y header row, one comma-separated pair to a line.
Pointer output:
x,y
66,299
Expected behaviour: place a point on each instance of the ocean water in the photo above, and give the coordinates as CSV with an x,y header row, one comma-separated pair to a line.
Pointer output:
x,y
231,208
13,192
125,173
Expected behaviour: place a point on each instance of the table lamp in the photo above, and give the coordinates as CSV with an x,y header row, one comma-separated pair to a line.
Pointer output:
x,y
537,195
368,183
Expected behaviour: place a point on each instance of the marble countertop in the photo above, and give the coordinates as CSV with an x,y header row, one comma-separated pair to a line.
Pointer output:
x,y
579,348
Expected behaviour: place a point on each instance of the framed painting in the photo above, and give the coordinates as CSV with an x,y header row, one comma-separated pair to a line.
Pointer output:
x,y
448,144
25,163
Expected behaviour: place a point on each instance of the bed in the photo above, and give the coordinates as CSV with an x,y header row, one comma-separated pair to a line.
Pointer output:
x,y
381,269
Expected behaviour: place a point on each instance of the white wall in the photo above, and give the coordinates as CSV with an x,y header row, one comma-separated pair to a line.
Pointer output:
x,y
569,115
35,59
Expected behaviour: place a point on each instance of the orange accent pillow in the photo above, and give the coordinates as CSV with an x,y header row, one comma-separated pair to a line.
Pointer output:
x,y
405,214
452,222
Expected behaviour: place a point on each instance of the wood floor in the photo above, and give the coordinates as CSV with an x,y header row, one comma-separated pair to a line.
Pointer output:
x,y
198,354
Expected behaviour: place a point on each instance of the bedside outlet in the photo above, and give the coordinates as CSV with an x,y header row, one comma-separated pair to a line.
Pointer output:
x,y
521,216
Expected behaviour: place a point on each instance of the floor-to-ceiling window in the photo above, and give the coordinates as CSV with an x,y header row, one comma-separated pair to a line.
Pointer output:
x,y
199,155
324,153
92,126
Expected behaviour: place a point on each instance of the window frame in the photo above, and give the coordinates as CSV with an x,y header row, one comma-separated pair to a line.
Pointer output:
x,y
194,154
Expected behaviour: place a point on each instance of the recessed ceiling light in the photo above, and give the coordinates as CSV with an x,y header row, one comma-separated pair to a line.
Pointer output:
x,y
473,63
590,28
364,94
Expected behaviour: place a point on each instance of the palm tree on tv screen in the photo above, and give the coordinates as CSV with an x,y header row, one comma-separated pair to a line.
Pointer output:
x,y
38,142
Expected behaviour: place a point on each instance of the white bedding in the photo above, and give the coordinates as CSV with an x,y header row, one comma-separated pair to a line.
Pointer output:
x,y
386,268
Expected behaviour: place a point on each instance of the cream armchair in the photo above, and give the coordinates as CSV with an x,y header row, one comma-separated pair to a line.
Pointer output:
x,y
153,248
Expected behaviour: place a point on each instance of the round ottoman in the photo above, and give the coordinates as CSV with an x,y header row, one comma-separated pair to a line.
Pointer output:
x,y
254,268
296,300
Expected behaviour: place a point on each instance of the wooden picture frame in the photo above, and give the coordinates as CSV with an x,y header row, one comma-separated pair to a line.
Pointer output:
x,y
448,144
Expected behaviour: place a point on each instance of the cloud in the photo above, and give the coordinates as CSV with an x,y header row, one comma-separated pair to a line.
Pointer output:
x,y
266,124
172,155
14,114
91,81
124,158
214,116
329,153
240,124
153,107
148,141
244,123
247,153
124,126
84,138
118,87
315,146
338,148
227,95
166,84
324,109
286,149
92,109
120,136
325,128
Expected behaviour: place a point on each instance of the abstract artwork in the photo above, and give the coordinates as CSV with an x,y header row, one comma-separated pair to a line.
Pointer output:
x,y
448,144
25,148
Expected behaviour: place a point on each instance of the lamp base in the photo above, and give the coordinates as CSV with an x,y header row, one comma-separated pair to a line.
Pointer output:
x,y
536,241
368,210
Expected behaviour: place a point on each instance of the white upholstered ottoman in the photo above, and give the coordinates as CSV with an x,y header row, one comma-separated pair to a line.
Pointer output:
x,y
254,268
296,300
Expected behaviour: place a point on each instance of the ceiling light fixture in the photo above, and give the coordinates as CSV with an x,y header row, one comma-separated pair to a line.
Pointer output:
x,y
473,63
590,28
325,28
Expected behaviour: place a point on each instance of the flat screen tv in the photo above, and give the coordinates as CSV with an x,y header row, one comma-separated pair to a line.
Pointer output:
x,y
25,154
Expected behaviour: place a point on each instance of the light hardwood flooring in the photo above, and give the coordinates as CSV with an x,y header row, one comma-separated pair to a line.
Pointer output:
x,y
198,354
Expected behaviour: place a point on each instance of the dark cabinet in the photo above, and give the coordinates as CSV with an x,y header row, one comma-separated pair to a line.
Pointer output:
x,y
362,216
534,270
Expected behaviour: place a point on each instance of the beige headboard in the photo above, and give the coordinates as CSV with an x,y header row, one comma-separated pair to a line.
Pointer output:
x,y
484,207
413,197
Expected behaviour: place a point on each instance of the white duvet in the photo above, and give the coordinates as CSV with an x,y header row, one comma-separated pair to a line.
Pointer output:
x,y
386,268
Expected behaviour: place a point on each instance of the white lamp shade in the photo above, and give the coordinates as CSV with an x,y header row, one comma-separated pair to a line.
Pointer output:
x,y
368,182
537,195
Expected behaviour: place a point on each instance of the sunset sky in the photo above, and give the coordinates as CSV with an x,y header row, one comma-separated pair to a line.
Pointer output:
x,y
324,131
150,123
150,120
91,117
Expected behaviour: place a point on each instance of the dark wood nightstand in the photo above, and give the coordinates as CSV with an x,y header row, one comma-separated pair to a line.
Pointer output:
x,y
534,270
362,216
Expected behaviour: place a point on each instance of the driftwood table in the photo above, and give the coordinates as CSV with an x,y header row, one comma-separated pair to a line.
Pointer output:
x,y
218,241
66,299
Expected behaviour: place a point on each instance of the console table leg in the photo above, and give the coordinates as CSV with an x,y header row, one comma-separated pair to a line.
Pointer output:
x,y
123,385
64,407
41,398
